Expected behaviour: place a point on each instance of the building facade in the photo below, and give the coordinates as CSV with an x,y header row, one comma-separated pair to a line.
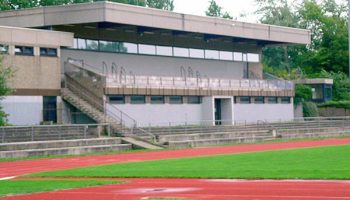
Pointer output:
x,y
156,67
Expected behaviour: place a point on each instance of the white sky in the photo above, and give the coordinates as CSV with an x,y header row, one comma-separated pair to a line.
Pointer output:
x,y
234,7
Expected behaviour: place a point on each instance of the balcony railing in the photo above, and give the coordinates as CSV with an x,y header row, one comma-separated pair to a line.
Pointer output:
x,y
197,83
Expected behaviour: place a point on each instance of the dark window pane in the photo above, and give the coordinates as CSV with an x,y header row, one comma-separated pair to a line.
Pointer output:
x,y
4,48
50,109
23,50
244,100
285,100
48,52
138,99
272,100
175,100
259,100
194,100
157,99
117,99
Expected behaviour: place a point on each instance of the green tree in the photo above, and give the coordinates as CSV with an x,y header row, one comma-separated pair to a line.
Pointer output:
x,y
214,10
5,75
303,93
161,4
328,24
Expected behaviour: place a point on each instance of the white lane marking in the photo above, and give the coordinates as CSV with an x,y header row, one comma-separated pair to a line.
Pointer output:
x,y
156,190
7,178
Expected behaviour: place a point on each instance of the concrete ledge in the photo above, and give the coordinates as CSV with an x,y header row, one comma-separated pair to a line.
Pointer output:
x,y
64,151
58,144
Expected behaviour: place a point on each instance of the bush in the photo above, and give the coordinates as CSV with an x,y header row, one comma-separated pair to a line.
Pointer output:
x,y
310,109
302,93
336,104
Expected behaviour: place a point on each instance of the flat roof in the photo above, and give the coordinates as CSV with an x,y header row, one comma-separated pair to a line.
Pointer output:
x,y
315,81
149,17
27,36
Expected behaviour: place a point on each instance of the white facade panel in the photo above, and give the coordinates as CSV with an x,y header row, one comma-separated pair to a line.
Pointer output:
x,y
251,113
23,110
161,114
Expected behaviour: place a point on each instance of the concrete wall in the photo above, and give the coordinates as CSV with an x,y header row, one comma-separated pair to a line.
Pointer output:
x,y
23,110
159,66
268,112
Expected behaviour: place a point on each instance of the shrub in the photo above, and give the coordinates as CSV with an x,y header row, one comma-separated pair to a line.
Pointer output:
x,y
310,109
336,104
302,93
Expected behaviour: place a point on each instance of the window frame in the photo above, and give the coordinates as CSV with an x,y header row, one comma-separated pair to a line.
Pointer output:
x,y
22,48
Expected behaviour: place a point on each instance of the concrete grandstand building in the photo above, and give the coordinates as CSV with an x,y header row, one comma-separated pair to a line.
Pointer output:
x,y
141,66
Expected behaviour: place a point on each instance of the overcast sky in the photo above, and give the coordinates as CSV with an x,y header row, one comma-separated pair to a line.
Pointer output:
x,y
234,7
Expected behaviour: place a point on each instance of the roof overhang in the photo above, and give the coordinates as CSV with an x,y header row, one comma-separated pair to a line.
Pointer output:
x,y
148,17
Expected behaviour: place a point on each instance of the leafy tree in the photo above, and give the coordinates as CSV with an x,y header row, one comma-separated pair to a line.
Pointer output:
x,y
214,10
341,84
303,93
328,24
5,75
161,4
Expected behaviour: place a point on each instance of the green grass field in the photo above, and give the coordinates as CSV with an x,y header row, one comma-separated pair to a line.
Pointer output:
x,y
15,187
310,163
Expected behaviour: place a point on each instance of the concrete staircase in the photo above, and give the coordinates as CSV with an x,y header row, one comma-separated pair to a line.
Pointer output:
x,y
93,112
62,147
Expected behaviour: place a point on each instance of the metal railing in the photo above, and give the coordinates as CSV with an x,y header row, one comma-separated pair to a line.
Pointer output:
x,y
196,83
51,132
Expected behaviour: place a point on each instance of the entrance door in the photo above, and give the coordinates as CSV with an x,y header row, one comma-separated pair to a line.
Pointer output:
x,y
218,117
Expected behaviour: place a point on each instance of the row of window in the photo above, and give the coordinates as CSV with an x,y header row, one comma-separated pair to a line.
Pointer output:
x,y
28,50
126,47
261,100
140,99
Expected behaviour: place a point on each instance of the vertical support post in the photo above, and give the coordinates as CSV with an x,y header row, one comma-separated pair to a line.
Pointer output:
x,y
32,133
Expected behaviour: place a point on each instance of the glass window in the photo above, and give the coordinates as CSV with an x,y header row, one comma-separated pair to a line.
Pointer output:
x,y
23,50
4,48
237,56
196,53
157,99
164,51
259,100
81,43
137,100
175,100
75,43
127,47
117,99
92,44
244,100
181,52
193,100
147,49
245,57
272,100
107,46
252,57
285,100
211,54
226,55
48,52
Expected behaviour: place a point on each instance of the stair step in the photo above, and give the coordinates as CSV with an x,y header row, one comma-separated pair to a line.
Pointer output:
x,y
65,151
58,144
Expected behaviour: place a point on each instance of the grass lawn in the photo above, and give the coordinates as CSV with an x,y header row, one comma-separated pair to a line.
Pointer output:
x,y
15,187
309,163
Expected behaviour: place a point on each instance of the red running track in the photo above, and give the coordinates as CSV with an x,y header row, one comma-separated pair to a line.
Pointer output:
x,y
8,169
190,189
